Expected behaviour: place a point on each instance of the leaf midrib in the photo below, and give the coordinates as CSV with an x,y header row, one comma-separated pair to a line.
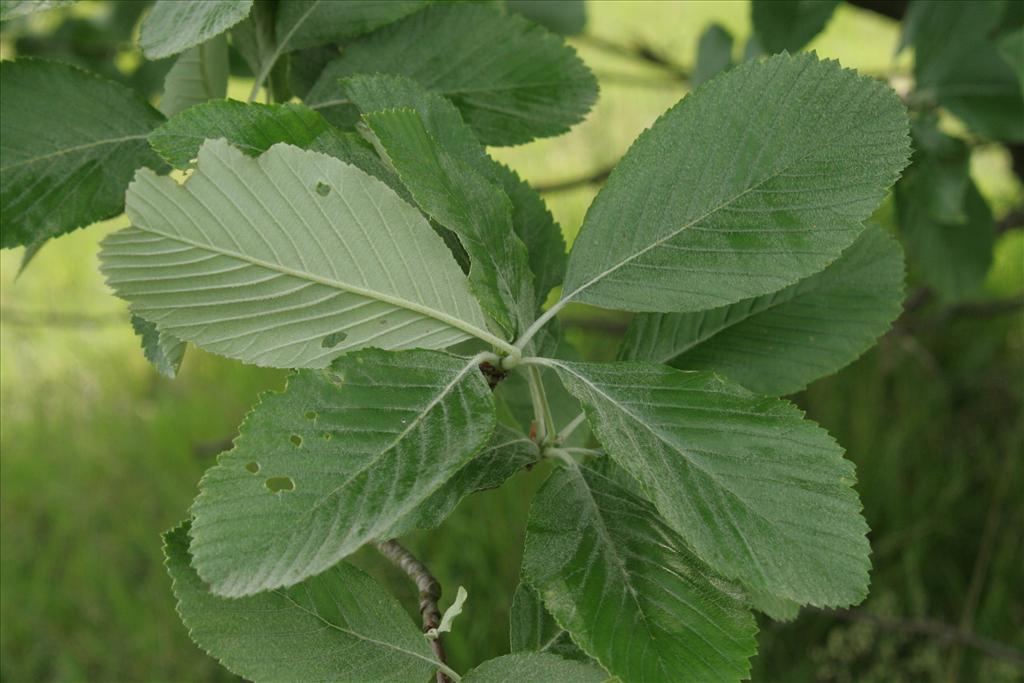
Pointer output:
x,y
395,301
72,150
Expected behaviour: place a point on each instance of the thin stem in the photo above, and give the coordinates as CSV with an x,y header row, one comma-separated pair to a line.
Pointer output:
x,y
533,329
541,409
568,429
430,593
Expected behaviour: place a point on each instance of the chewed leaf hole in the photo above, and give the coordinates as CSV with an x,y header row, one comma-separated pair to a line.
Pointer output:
x,y
327,436
253,467
333,339
278,484
323,189
310,414
297,440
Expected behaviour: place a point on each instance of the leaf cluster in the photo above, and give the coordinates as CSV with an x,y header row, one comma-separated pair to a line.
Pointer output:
x,y
365,239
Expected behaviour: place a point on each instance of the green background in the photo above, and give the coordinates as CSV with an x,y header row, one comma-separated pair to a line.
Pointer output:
x,y
98,454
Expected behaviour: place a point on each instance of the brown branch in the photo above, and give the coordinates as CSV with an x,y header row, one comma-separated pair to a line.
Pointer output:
x,y
637,51
936,629
430,593
595,178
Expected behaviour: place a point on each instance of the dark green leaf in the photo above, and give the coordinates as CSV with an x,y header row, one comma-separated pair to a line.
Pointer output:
x,y
1011,47
714,54
567,17
174,26
309,23
198,75
512,80
455,195
533,629
164,351
359,448
761,494
951,257
760,178
537,228
958,65
534,666
789,24
252,128
778,343
71,142
339,626
627,588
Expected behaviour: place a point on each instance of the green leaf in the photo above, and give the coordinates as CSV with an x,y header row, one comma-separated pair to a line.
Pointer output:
x,y
309,23
173,26
567,17
512,80
339,626
761,494
452,193
714,54
1011,47
164,351
789,24
198,75
778,609
253,128
71,142
778,343
533,629
336,461
534,666
758,179
627,588
286,260
9,9
943,166
536,227
957,64
507,452
952,257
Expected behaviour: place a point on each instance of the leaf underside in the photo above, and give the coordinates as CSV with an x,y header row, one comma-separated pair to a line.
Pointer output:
x,y
624,584
339,626
286,260
352,451
173,26
534,666
198,75
759,493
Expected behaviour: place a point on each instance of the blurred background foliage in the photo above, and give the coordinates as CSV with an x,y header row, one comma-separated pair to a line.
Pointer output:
x,y
100,454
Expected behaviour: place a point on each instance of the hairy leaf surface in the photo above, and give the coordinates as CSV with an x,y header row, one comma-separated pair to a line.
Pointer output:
x,y
286,260
351,451
534,666
511,79
308,23
624,584
71,142
339,626
198,75
458,197
164,351
507,452
761,494
778,343
533,629
253,128
789,24
173,26
756,180
10,9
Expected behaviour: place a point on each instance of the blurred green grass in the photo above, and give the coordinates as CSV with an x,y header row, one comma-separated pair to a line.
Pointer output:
x,y
99,455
